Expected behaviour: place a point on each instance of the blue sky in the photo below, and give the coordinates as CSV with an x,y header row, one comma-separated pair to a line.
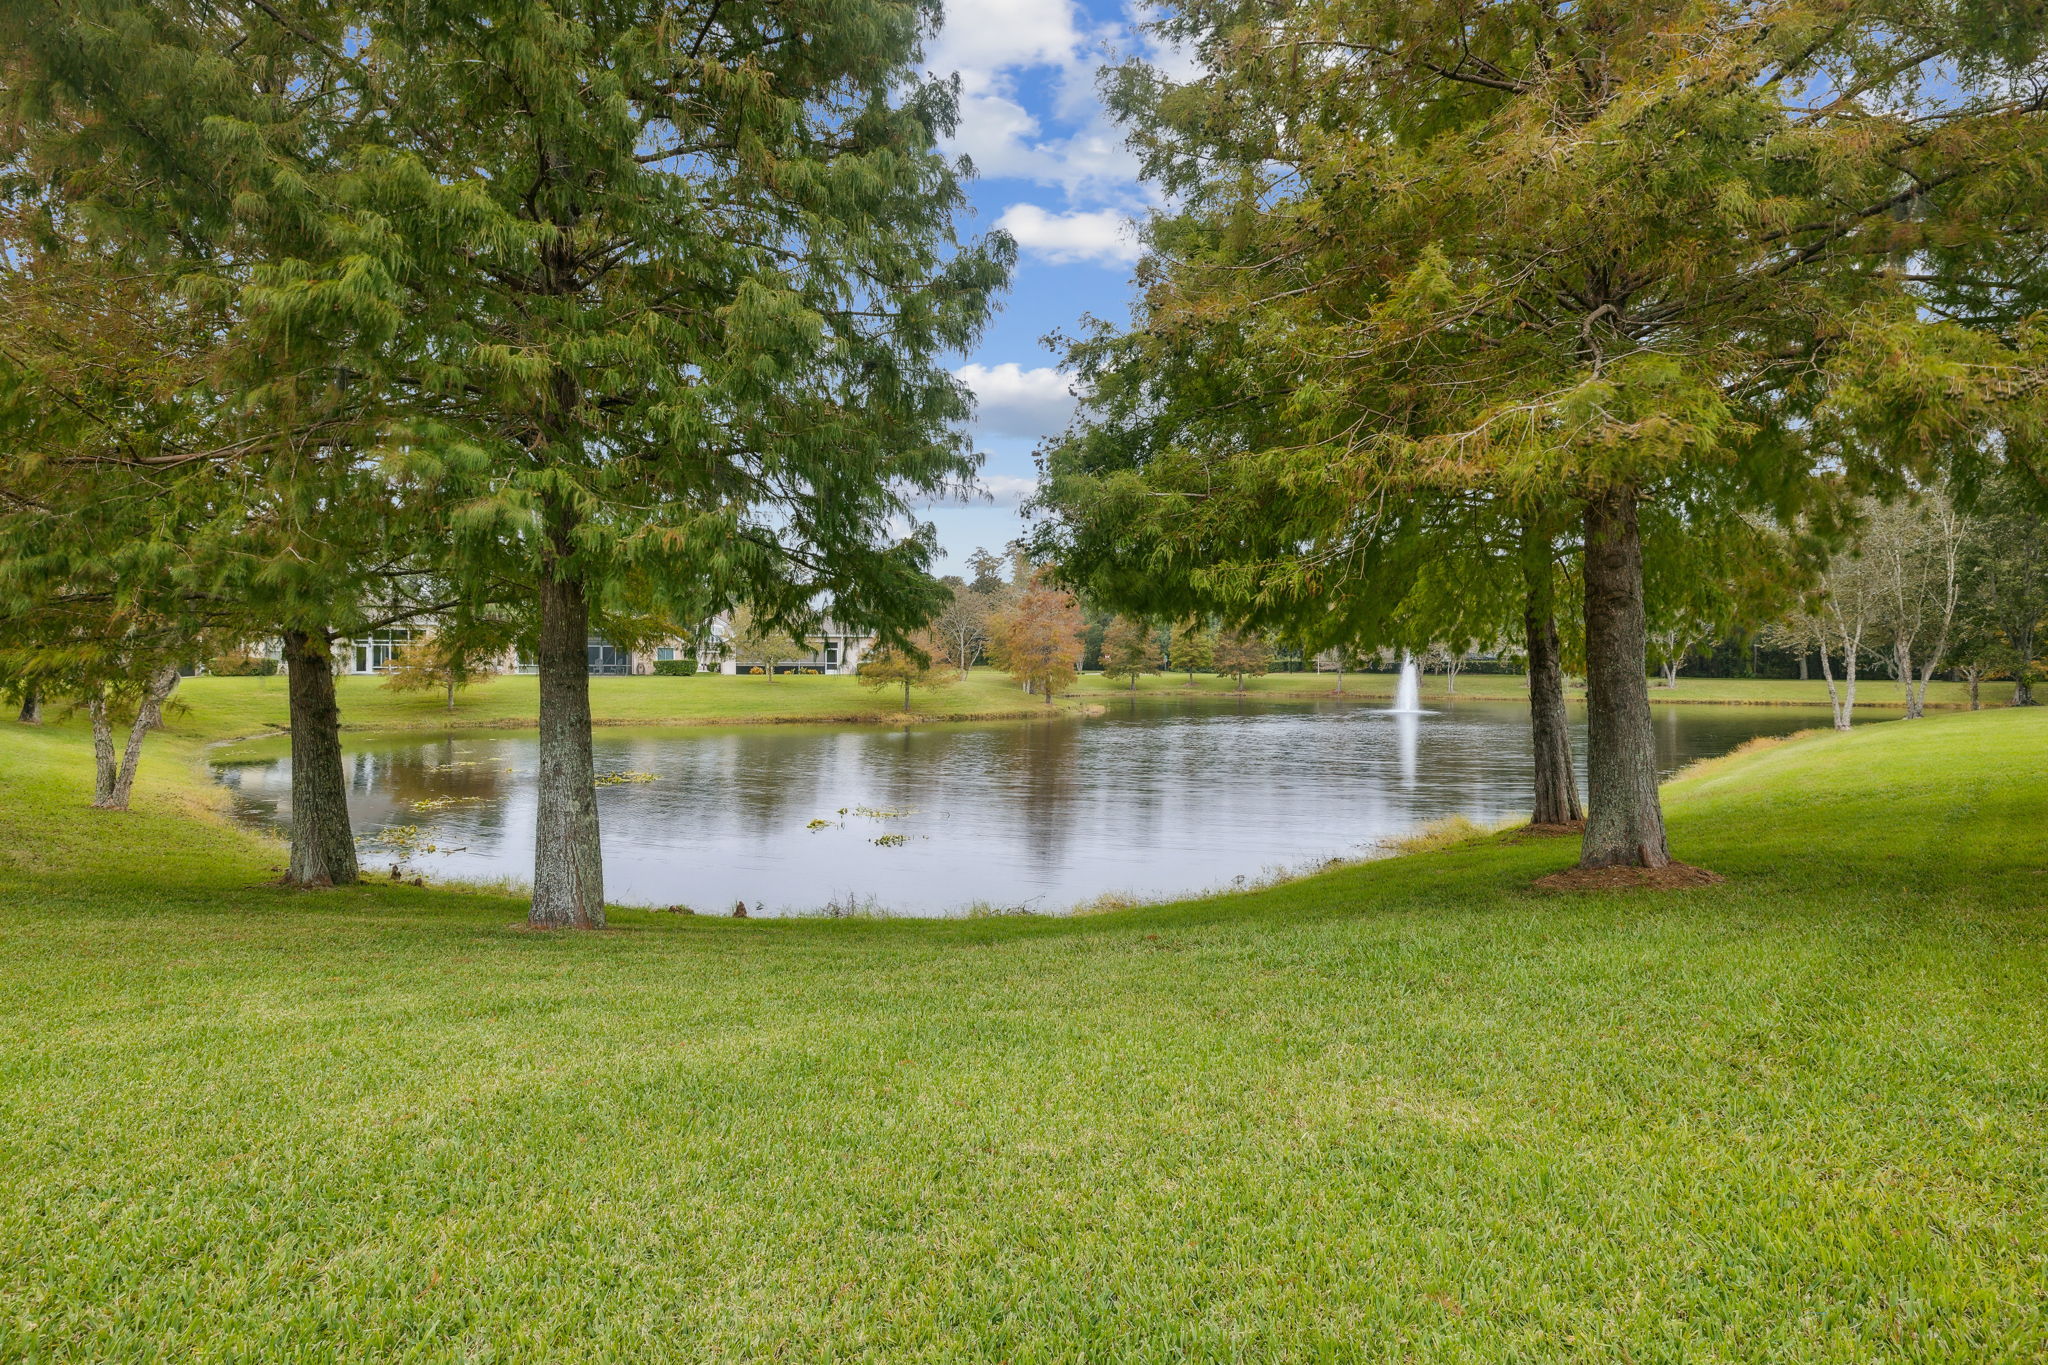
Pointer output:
x,y
1053,171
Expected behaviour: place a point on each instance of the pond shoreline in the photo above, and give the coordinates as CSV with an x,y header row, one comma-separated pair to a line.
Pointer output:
x,y
1130,805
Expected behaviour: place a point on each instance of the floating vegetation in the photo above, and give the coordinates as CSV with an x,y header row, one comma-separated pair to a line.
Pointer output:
x,y
444,802
865,813
404,843
890,840
620,779
459,763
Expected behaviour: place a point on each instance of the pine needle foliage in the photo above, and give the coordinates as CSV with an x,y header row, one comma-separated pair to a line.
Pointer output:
x,y
1651,265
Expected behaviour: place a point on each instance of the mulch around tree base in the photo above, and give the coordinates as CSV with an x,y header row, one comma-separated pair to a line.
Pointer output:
x,y
1670,877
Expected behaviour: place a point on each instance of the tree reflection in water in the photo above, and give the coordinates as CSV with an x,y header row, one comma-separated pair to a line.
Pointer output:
x,y
1153,799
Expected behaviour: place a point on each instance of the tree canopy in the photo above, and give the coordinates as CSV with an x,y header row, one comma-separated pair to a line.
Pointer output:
x,y
1648,268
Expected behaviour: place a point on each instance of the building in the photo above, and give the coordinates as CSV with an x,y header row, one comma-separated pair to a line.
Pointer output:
x,y
834,648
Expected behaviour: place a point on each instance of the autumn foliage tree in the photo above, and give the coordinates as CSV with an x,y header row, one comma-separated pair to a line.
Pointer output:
x,y
1130,649
1037,639
442,661
1596,263
1242,654
922,662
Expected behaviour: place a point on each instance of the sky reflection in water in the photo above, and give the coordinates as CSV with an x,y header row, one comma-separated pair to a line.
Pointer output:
x,y
1149,800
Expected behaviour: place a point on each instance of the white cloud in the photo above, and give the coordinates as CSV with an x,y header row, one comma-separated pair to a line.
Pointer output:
x,y
990,44
1013,401
991,35
1105,236
1177,63
1008,490
986,490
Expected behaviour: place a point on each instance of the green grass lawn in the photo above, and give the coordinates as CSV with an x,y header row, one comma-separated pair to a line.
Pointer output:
x,y
1406,1111
241,706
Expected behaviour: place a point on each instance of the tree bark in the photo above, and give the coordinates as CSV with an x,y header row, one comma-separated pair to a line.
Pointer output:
x,y
568,869
104,771
31,708
323,850
1625,819
1557,788
1902,664
147,716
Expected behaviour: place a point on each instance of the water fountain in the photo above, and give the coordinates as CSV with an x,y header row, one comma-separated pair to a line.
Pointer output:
x,y
1408,692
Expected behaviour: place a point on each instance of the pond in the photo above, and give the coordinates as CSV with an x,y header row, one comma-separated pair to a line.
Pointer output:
x,y
1146,801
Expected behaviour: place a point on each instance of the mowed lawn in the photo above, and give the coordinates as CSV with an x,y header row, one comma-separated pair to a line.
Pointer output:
x,y
1410,1111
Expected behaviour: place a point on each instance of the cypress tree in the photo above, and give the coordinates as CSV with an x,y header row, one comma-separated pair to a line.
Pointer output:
x,y
1614,260
208,153
680,278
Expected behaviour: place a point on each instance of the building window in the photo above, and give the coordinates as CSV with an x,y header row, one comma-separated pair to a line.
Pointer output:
x,y
606,657
373,653
664,653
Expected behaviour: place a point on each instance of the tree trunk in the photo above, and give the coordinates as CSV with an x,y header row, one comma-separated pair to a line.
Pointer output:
x,y
1976,700
1827,671
1625,820
1902,665
323,851
1802,668
1557,789
31,707
906,694
147,716
103,769
568,869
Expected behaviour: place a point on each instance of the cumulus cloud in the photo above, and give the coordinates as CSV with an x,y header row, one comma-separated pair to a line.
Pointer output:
x,y
990,45
1105,236
987,490
1007,490
1013,401
990,35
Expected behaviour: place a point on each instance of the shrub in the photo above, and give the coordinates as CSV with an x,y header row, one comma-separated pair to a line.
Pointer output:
x,y
674,668
241,664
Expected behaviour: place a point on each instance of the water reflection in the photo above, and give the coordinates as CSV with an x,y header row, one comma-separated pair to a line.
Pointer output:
x,y
1149,800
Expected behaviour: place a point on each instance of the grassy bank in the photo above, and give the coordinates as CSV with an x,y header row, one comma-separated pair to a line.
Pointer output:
x,y
1408,1111
240,706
